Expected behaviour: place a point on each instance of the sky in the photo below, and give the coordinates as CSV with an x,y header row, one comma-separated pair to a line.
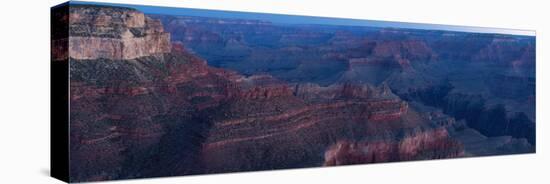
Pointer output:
x,y
294,19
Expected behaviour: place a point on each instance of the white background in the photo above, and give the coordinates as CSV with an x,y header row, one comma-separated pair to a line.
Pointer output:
x,y
24,90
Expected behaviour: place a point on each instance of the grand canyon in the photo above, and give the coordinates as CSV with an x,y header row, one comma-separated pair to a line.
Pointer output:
x,y
155,95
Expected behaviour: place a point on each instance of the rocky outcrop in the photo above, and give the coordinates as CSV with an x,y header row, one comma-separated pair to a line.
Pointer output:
x,y
114,33
432,144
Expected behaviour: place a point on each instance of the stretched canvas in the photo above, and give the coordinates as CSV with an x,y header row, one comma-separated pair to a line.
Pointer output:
x,y
144,91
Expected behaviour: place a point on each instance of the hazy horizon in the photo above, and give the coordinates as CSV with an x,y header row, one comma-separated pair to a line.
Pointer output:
x,y
316,20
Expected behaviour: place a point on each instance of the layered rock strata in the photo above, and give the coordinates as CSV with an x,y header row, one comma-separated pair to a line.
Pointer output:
x,y
432,144
146,107
107,33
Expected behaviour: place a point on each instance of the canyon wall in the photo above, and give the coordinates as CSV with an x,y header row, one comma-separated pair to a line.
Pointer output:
x,y
162,114
281,97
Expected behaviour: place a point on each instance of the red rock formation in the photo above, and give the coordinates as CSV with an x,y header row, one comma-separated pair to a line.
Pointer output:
x,y
433,144
301,123
397,110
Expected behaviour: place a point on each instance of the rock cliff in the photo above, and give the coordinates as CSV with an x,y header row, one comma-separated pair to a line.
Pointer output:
x,y
114,33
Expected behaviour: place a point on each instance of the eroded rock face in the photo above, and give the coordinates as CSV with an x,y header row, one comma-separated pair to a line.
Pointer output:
x,y
129,117
290,130
431,144
114,33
